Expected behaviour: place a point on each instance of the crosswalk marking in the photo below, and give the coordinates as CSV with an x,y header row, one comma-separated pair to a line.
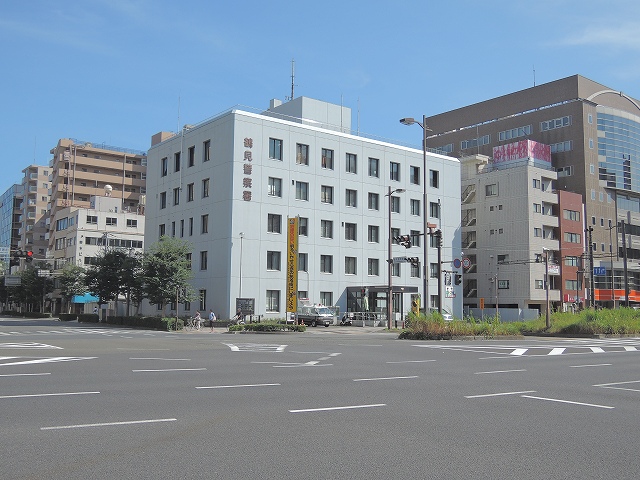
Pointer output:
x,y
255,347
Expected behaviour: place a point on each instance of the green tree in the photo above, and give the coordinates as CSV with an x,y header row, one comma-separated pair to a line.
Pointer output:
x,y
72,282
106,278
133,281
33,288
167,271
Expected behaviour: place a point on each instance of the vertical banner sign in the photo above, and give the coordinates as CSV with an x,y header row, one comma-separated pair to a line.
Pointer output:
x,y
292,264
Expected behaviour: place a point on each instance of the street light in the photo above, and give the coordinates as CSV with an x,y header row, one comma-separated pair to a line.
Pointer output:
x,y
425,129
390,261
241,238
611,227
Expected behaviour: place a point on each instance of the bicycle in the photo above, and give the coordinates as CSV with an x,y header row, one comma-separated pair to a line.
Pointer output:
x,y
190,324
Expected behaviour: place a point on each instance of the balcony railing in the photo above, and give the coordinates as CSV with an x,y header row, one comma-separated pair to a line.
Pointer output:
x,y
468,194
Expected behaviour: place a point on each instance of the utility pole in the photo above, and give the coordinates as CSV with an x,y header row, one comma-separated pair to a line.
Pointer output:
x,y
624,262
592,296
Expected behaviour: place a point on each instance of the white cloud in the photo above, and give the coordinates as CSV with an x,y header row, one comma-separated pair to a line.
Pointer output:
x,y
624,36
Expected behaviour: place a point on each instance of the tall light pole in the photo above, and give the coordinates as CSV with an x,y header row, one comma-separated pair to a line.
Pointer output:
x,y
425,223
545,252
611,227
390,261
240,290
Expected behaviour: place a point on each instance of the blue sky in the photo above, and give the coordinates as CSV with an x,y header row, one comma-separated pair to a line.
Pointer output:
x,y
118,71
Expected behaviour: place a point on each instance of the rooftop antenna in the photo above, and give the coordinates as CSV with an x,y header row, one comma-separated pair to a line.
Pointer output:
x,y
293,76
534,75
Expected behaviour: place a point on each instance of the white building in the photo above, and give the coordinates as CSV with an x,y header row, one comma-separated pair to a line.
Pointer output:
x,y
228,184
79,235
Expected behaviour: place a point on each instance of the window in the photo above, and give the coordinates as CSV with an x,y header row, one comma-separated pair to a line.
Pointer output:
x,y
173,229
374,164
302,154
565,146
326,263
205,188
275,149
181,228
572,237
414,175
176,196
274,223
374,199
204,223
555,123
176,162
536,183
273,260
415,238
395,270
433,240
537,208
164,166
415,271
350,230
326,298
303,262
571,285
190,226
514,133
163,200
373,267
206,150
394,171
434,210
303,226
564,171
491,190
350,265
537,232
326,194
132,223
92,219
475,142
161,230
395,232
590,118
539,285
352,163
190,192
571,261
327,158
112,221
191,153
302,191
415,207
326,228
433,270
591,143
373,234
434,178
203,260
273,300
274,187
395,204
351,198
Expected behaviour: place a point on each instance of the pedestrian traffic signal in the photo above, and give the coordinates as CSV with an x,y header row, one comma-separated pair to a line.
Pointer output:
x,y
28,255
458,279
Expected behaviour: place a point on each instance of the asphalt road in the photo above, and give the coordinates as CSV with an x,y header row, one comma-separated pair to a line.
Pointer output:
x,y
92,402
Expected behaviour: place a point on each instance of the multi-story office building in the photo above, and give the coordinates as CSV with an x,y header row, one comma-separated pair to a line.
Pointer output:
x,y
10,221
79,235
228,185
594,135
81,170
509,221
34,228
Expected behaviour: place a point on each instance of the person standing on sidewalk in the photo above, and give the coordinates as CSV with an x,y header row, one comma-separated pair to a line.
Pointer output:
x,y
212,318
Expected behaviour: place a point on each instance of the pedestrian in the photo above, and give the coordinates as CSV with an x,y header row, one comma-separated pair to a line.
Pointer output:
x,y
95,310
197,319
212,318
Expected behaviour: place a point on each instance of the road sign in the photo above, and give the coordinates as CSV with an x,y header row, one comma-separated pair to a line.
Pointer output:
x,y
599,270
399,259
466,263
457,263
481,303
4,250
12,281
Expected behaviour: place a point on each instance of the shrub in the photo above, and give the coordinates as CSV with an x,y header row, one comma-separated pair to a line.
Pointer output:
x,y
66,317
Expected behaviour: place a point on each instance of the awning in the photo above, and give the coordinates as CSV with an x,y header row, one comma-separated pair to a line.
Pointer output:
x,y
86,298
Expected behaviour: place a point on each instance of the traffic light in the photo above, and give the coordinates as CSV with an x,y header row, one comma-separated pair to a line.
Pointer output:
x,y
28,255
413,260
458,279
404,240
17,255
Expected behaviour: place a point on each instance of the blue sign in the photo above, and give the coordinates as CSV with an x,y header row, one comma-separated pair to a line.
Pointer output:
x,y
599,270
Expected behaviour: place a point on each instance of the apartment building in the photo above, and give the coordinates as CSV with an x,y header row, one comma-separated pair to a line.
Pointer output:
x,y
34,218
228,185
594,135
509,221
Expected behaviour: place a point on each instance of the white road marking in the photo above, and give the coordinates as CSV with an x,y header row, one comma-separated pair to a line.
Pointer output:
x,y
501,371
567,401
519,351
596,349
413,361
109,424
29,345
499,394
595,365
158,358
170,370
23,374
240,386
304,410
557,351
630,349
46,360
616,383
50,394
382,378
255,347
